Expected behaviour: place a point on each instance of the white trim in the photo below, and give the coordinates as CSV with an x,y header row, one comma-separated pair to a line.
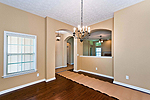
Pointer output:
x,y
97,56
75,53
97,74
19,34
35,51
51,79
60,67
132,87
25,85
21,86
5,53
75,70
19,73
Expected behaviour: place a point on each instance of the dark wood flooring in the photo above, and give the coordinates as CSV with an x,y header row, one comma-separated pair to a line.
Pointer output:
x,y
59,89
95,76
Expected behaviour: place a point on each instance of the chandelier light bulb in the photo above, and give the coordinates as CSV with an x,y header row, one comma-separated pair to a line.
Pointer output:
x,y
86,28
83,28
58,38
78,27
74,29
89,29
82,34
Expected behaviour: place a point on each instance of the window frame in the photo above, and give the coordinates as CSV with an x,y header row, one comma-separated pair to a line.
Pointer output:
x,y
8,33
98,52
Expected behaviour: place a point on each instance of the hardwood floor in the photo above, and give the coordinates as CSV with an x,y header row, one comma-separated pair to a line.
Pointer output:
x,y
59,89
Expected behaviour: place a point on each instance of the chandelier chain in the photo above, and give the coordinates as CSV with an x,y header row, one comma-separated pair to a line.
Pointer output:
x,y
81,13
83,32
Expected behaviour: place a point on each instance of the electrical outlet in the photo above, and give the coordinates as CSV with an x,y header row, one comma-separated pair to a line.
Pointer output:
x,y
96,68
127,77
38,75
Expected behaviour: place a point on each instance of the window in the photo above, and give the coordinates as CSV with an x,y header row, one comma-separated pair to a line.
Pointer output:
x,y
19,54
98,51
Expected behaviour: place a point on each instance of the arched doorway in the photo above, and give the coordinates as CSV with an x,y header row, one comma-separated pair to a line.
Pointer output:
x,y
70,50
61,49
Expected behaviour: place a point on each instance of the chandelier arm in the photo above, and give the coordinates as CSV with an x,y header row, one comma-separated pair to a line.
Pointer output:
x,y
86,35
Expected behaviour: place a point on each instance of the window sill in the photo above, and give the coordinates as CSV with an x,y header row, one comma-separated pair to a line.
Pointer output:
x,y
20,73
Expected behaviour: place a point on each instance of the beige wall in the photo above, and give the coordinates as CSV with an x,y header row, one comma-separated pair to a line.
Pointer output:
x,y
132,45
86,46
59,52
15,20
52,26
90,66
106,46
103,65
79,53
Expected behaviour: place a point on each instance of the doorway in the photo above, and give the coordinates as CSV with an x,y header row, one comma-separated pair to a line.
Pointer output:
x,y
70,51
64,55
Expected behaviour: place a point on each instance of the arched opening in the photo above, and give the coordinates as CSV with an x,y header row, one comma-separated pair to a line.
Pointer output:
x,y
64,50
70,50
99,43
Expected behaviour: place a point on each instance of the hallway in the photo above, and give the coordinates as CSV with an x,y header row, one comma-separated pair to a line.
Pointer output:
x,y
69,67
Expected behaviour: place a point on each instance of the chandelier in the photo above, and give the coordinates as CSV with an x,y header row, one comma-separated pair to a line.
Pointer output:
x,y
83,32
101,40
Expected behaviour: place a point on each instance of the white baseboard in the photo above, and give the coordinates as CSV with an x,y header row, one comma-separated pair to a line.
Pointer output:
x,y
51,79
132,87
60,67
25,85
97,74
75,70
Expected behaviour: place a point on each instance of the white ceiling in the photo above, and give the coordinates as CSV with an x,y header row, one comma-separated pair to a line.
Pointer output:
x,y
68,11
